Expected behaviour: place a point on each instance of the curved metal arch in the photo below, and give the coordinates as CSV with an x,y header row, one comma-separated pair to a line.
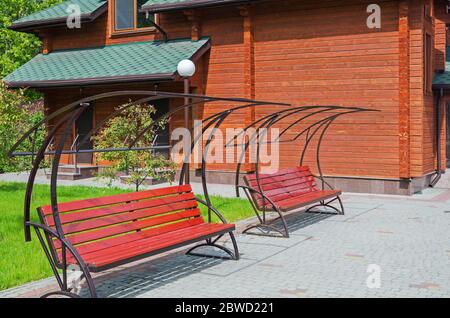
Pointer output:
x,y
32,176
289,112
117,112
211,120
268,120
70,107
55,166
296,110
70,114
93,98
322,125
319,124
266,124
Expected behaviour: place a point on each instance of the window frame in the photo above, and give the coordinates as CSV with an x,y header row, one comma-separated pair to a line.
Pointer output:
x,y
132,30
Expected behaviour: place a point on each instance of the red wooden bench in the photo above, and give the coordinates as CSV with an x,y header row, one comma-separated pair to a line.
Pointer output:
x,y
284,191
101,233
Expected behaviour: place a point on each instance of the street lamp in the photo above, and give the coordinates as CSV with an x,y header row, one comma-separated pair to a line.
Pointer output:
x,y
186,69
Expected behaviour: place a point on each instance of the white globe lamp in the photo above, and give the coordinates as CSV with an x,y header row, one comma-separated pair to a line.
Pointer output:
x,y
186,68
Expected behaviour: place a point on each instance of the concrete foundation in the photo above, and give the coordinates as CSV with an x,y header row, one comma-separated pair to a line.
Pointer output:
x,y
346,184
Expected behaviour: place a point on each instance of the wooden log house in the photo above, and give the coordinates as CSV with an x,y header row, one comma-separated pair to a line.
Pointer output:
x,y
302,52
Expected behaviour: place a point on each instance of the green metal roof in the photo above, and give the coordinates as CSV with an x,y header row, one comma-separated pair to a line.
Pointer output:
x,y
443,79
169,5
155,60
89,10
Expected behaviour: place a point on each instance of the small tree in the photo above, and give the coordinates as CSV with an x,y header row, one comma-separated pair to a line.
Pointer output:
x,y
17,115
120,132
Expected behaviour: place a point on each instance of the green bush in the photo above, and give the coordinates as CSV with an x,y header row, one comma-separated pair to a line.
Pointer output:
x,y
17,115
121,131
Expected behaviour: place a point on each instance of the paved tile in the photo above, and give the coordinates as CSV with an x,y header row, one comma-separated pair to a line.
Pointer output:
x,y
405,239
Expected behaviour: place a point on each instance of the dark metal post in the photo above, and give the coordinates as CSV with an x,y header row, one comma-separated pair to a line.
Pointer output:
x,y
436,179
186,125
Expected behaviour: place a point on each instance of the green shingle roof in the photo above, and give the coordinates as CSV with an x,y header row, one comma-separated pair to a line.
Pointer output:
x,y
88,8
168,5
155,60
443,79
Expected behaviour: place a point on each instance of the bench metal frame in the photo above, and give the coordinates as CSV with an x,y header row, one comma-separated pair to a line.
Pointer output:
x,y
327,115
69,114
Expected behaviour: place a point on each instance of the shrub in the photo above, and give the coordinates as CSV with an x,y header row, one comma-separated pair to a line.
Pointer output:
x,y
121,131
17,115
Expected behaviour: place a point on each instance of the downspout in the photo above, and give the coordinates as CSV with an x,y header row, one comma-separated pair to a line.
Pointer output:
x,y
158,27
438,139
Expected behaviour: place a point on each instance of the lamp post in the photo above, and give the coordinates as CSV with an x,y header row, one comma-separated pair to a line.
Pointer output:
x,y
186,69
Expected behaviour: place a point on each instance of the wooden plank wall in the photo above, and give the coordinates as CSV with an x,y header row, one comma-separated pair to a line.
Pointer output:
x,y
314,53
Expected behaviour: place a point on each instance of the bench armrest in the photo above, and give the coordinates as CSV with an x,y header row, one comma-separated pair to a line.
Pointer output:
x,y
217,213
51,232
261,194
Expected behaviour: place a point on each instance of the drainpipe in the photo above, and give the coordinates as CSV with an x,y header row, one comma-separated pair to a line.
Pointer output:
x,y
438,139
158,27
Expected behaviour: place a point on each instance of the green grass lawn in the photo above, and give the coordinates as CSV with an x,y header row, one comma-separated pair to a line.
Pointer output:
x,y
21,262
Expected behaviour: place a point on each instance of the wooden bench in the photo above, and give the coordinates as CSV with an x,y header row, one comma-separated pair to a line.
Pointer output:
x,y
284,191
101,233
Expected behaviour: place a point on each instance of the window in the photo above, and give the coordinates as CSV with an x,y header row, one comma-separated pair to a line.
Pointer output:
x,y
427,63
127,16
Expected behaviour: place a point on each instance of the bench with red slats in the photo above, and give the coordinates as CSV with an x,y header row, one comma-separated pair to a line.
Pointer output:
x,y
289,189
113,230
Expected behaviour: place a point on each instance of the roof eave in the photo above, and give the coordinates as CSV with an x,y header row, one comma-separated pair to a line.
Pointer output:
x,y
190,4
92,81
441,86
30,26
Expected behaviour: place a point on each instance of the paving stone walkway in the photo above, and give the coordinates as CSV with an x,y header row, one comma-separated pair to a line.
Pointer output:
x,y
406,240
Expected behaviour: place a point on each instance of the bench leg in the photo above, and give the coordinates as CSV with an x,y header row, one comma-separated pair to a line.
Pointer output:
x,y
265,229
232,255
61,293
65,290
327,204
342,206
266,226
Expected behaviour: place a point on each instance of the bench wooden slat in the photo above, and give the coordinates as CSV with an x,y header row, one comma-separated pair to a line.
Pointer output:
x,y
126,217
281,182
282,172
118,240
279,189
120,198
307,199
130,227
267,180
116,209
144,243
287,188
146,246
